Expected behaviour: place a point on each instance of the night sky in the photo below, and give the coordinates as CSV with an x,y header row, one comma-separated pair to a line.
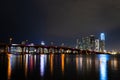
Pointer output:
x,y
60,20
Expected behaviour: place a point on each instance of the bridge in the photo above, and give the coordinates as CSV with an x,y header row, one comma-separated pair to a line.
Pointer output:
x,y
26,49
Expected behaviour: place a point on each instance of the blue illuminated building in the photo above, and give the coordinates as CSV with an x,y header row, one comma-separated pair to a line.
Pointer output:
x,y
102,42
102,36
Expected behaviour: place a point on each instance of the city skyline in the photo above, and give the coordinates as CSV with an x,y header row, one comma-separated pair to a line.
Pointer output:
x,y
101,37
59,39
91,42
60,21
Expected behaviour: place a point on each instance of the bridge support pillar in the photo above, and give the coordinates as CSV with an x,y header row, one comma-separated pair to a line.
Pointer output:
x,y
28,50
22,49
37,49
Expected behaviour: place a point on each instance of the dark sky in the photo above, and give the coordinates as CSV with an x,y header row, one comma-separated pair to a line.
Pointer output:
x,y
60,20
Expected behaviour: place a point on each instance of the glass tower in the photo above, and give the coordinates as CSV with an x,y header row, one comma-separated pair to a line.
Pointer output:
x,y
102,42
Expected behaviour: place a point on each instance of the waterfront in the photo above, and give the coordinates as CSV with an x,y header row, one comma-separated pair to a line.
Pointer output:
x,y
59,67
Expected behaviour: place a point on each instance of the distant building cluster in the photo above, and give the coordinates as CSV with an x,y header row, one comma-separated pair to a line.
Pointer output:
x,y
92,43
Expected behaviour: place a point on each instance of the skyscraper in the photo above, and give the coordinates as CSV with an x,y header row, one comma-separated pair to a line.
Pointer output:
x,y
92,42
97,45
102,42
77,44
86,43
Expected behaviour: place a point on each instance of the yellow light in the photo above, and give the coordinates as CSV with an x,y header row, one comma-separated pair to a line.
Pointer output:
x,y
51,63
9,67
76,63
62,62
114,53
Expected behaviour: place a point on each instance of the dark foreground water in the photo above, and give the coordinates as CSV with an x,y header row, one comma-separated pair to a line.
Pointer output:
x,y
59,67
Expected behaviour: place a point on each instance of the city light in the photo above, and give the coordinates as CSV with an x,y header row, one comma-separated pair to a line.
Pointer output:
x,y
102,36
42,43
42,64
60,40
63,63
103,66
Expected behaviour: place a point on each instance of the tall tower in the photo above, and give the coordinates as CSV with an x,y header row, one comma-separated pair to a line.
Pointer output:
x,y
92,42
102,36
77,44
97,45
102,42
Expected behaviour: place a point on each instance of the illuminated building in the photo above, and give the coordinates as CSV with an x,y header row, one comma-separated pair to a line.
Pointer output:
x,y
102,42
42,43
97,45
102,36
92,42
83,43
77,44
86,43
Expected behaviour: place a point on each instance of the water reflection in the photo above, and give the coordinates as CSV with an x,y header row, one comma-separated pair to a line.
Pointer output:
x,y
83,63
114,63
65,66
35,61
42,64
79,63
51,63
76,63
26,64
62,63
103,66
9,66
88,63
30,62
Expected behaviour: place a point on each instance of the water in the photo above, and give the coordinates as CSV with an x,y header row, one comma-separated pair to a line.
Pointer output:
x,y
59,67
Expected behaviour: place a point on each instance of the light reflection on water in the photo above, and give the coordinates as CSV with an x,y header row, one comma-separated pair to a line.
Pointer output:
x,y
9,67
53,64
42,64
26,64
114,63
79,63
103,67
63,63
11,64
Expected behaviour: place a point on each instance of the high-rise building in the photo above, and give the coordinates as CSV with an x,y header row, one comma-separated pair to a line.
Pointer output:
x,y
102,42
78,44
86,43
97,45
83,43
92,42
102,36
